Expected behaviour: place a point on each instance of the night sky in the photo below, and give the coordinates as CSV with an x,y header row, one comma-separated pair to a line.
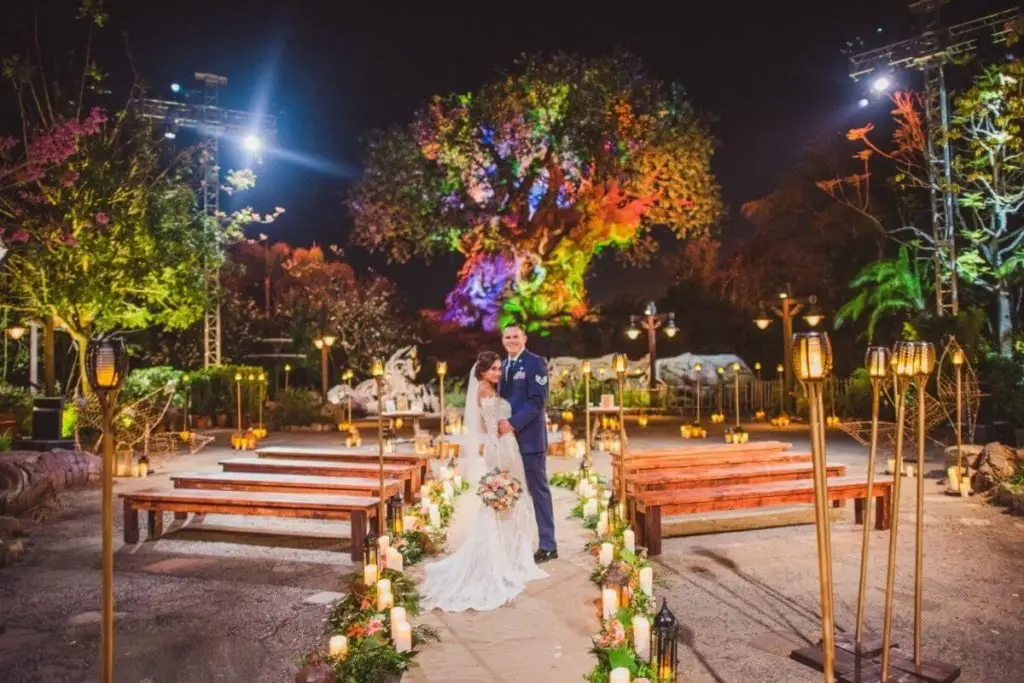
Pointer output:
x,y
772,73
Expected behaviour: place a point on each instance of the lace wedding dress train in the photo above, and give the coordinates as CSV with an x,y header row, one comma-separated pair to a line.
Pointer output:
x,y
494,562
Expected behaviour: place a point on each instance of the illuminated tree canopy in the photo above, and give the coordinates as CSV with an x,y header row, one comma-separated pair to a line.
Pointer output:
x,y
533,175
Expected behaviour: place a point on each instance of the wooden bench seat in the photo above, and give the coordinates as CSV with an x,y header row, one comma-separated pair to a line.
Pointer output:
x,y
700,477
410,474
340,454
286,483
705,449
650,506
354,509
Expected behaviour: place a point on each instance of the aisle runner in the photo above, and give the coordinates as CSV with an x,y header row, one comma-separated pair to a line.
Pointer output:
x,y
545,635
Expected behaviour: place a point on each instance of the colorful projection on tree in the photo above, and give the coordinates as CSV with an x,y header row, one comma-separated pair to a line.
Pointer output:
x,y
532,176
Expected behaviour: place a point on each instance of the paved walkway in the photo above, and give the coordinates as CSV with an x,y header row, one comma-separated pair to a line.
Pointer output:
x,y
543,636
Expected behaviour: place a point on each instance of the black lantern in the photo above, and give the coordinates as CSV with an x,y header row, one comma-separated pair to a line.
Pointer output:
x,y
396,522
613,511
106,364
370,549
584,474
616,579
665,644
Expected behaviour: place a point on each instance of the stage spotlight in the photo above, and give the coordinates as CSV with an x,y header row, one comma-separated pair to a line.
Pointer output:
x,y
253,143
881,84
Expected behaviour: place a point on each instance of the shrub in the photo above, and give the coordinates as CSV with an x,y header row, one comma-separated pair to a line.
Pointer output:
x,y
213,390
143,382
17,401
6,442
1002,387
295,407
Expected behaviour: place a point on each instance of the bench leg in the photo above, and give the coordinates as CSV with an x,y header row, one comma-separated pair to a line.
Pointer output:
x,y
180,516
412,487
883,510
156,524
131,523
358,522
858,510
838,503
649,523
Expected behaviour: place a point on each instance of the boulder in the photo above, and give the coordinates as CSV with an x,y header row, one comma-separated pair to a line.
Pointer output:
x,y
1001,461
969,455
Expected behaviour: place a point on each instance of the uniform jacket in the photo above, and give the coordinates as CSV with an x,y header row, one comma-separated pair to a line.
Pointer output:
x,y
524,384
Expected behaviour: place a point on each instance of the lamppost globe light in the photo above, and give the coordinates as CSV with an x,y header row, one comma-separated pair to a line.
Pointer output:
x,y
762,321
670,326
633,332
252,377
757,365
585,367
699,367
779,368
814,314
442,368
329,339
619,363
15,332
881,84
318,342
263,377
238,377
348,374
377,368
721,371
287,367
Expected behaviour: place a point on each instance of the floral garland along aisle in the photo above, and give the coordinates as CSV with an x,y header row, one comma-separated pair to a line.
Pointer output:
x,y
369,634
634,644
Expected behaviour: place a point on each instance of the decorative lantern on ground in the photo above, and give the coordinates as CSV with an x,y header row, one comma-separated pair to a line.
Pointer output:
x,y
567,416
370,549
396,511
144,467
613,514
389,441
316,671
737,435
617,580
664,644
641,420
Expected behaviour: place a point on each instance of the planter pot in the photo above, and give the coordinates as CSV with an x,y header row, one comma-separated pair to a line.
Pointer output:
x,y
222,421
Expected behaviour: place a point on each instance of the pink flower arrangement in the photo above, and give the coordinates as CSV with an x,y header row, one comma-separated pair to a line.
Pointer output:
x,y
613,636
374,625
498,490
102,218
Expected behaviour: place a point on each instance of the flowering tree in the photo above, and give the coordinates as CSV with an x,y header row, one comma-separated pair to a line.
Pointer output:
x,y
534,174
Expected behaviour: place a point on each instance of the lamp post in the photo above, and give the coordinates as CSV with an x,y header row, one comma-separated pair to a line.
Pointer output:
x,y
377,372
585,370
287,371
442,370
347,376
923,364
263,383
812,360
877,362
759,397
324,342
619,364
779,370
698,368
736,389
721,392
958,363
787,307
106,364
238,385
650,321
902,359
188,399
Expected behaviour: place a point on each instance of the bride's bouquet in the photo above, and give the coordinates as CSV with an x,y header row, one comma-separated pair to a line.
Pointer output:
x,y
499,490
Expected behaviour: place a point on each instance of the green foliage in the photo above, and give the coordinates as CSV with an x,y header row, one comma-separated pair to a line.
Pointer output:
x,y
17,401
886,288
145,381
6,442
1002,381
214,390
68,420
295,407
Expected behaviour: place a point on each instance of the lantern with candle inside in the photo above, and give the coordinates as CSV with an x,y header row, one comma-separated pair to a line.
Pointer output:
x,y
693,431
421,443
617,580
396,515
370,549
389,442
832,421
737,435
567,416
614,511
316,670
144,466
641,420
238,441
664,644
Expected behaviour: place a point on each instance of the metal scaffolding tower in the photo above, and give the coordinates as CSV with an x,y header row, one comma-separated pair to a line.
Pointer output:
x,y
930,51
203,113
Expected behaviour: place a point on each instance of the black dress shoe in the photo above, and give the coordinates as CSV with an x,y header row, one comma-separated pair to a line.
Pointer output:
x,y
542,556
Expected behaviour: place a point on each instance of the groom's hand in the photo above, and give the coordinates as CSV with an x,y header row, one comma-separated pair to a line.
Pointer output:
x,y
504,427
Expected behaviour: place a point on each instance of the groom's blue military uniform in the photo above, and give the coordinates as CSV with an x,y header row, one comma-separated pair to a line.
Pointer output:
x,y
524,384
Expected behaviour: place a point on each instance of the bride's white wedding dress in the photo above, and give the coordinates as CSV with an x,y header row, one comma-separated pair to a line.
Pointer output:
x,y
495,560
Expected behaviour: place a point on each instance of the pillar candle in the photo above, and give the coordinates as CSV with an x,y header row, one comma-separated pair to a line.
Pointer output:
x,y
337,646
602,524
609,603
458,482
642,637
397,617
443,475
448,490
446,496
590,508
369,574
647,581
385,599
606,556
403,637
395,561
409,522
424,491
629,540
620,675
383,543
384,586
435,516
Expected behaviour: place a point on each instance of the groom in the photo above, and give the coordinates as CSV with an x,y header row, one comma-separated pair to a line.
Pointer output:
x,y
524,384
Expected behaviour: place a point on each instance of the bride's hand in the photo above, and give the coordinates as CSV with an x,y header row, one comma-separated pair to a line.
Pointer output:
x,y
504,427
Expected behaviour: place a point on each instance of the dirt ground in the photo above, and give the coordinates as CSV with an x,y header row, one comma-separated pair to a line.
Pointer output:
x,y
239,605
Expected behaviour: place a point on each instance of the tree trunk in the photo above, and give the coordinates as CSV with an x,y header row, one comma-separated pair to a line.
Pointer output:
x,y
49,357
82,344
1004,316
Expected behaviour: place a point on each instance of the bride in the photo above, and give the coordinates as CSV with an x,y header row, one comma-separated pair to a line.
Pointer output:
x,y
495,561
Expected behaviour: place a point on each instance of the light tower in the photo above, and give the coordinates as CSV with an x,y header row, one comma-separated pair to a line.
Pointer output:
x,y
202,112
930,51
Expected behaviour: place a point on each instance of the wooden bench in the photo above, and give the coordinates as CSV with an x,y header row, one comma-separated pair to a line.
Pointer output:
x,y
641,459
286,483
725,475
409,474
650,506
339,454
354,509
